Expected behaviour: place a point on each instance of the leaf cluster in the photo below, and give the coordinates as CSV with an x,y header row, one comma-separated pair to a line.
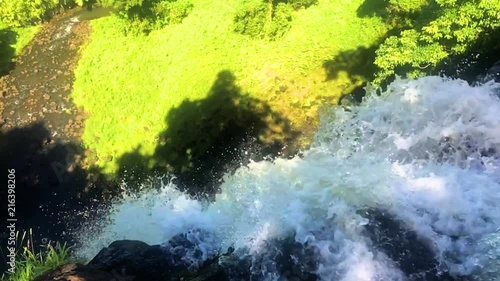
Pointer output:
x,y
433,31
267,20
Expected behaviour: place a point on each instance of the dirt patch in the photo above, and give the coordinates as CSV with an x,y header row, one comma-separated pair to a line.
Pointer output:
x,y
40,135
39,88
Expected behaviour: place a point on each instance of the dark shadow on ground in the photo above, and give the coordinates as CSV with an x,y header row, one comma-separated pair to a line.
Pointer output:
x,y
373,8
400,14
360,67
7,53
358,62
209,137
53,194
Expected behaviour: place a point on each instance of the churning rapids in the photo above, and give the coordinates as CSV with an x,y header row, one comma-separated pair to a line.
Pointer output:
x,y
426,153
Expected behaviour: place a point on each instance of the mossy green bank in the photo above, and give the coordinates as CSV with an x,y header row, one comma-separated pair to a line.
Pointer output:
x,y
129,83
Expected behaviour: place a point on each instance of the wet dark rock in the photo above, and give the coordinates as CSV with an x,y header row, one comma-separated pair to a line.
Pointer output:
x,y
412,254
285,256
78,272
119,254
494,73
168,262
143,262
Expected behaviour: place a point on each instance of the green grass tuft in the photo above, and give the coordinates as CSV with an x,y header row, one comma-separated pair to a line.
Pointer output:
x,y
30,263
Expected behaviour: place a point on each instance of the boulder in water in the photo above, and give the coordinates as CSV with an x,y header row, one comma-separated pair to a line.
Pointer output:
x,y
141,261
493,73
413,254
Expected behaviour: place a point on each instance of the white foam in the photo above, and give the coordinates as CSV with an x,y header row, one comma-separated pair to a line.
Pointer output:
x,y
417,151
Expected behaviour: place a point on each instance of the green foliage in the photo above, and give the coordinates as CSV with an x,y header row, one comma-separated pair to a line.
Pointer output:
x,y
144,16
30,263
251,19
21,13
270,20
173,12
12,41
298,4
263,20
407,7
442,29
282,18
129,84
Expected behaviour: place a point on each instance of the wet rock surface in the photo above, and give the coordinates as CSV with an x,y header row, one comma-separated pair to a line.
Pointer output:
x,y
136,260
412,254
494,72
283,257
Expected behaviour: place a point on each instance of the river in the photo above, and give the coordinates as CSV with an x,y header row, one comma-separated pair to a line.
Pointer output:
x,y
406,185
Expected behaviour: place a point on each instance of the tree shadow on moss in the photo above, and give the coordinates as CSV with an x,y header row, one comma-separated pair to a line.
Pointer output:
x,y
7,52
359,64
399,14
206,138
373,8
53,193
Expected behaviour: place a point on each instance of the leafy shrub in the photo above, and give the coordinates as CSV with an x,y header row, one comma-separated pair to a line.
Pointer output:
x,y
444,28
406,6
251,19
298,4
173,12
282,19
20,13
263,20
144,16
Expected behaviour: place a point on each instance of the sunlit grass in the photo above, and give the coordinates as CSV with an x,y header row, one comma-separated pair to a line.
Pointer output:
x,y
129,84
30,263
23,37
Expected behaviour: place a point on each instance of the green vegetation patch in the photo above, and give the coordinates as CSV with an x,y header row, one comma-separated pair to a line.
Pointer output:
x,y
12,42
130,84
267,20
31,263
21,13
434,31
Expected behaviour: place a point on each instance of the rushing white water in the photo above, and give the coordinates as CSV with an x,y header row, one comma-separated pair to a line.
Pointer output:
x,y
426,151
